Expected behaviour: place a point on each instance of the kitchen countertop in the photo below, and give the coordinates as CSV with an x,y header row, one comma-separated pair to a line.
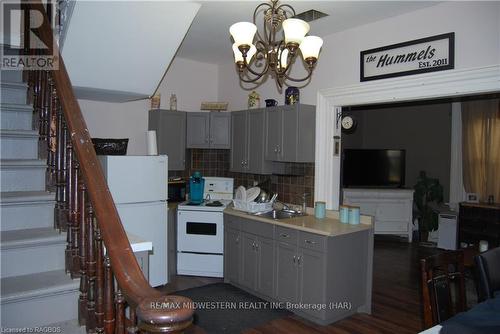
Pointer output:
x,y
137,243
328,226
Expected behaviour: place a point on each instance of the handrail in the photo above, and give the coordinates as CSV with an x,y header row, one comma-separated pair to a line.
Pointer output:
x,y
136,289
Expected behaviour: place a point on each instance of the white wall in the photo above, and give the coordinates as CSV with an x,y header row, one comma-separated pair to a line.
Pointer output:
x,y
192,82
477,43
124,45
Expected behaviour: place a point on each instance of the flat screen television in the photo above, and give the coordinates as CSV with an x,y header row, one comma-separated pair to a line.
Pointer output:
x,y
372,168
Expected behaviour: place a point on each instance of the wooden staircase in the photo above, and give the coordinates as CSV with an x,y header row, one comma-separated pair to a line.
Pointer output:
x,y
58,217
33,276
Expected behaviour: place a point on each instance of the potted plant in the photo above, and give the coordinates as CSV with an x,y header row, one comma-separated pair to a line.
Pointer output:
x,y
427,190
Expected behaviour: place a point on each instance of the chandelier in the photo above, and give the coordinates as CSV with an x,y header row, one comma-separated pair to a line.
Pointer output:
x,y
269,55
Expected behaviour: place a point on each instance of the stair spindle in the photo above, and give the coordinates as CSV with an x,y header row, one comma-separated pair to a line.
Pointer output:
x,y
52,137
91,270
109,295
99,282
60,213
82,263
132,324
69,205
120,313
75,218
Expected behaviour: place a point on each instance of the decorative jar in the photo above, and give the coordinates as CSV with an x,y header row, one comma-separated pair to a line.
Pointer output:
x,y
292,95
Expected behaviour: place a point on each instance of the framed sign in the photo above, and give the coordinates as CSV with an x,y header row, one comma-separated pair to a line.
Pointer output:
x,y
430,54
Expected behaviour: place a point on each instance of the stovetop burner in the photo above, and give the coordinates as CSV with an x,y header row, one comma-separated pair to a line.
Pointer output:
x,y
214,203
194,203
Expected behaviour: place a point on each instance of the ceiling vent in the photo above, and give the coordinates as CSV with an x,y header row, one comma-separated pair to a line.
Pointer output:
x,y
310,15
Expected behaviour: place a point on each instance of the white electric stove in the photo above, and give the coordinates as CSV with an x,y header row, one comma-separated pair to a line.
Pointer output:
x,y
200,230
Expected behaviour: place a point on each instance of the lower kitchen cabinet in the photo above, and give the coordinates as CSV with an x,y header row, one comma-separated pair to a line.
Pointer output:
x,y
286,272
300,276
311,282
321,278
257,263
232,254
232,249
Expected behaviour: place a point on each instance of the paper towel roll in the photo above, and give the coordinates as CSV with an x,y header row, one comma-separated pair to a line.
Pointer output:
x,y
151,141
483,245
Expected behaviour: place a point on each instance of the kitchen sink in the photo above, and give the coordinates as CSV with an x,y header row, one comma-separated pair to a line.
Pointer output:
x,y
280,214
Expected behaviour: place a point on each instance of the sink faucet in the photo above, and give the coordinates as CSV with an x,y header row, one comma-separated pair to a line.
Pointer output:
x,y
285,206
304,202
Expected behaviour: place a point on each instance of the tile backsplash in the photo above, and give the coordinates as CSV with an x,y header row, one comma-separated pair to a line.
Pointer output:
x,y
299,178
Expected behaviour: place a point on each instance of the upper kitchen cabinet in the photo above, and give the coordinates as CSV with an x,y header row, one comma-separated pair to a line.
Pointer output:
x,y
248,141
208,130
170,129
290,133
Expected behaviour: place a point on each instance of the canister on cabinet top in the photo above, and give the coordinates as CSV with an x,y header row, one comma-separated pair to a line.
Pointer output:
x,y
320,210
354,215
344,214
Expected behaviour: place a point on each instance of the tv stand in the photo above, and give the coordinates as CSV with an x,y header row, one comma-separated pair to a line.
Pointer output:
x,y
391,208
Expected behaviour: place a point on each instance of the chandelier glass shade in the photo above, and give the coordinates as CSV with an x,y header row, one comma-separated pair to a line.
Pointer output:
x,y
258,55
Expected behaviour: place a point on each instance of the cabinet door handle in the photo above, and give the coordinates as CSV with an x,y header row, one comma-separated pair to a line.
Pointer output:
x,y
276,149
310,242
294,259
257,247
279,149
284,235
298,260
237,240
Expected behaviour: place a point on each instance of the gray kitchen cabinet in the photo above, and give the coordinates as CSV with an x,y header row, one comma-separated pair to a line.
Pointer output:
x,y
286,272
265,266
232,249
249,257
239,141
247,142
257,263
208,130
288,265
248,260
300,271
170,127
311,280
290,133
232,254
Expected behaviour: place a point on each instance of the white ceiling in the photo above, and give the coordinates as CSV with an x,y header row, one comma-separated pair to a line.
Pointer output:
x,y
208,39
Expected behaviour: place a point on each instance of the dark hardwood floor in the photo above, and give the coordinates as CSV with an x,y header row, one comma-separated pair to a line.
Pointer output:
x,y
396,302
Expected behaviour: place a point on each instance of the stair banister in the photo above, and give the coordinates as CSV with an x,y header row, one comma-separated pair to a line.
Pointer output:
x,y
155,312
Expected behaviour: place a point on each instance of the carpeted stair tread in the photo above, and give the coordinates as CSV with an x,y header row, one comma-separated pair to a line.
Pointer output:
x,y
30,237
26,196
36,285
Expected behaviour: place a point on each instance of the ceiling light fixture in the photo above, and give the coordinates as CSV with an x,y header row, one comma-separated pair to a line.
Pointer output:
x,y
274,56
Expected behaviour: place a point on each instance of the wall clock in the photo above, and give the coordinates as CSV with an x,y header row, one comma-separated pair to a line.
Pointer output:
x,y
348,124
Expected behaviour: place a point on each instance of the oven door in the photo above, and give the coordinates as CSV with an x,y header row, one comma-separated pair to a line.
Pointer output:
x,y
200,232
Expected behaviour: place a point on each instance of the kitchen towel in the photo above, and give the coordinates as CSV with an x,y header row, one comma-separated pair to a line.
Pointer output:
x,y
151,142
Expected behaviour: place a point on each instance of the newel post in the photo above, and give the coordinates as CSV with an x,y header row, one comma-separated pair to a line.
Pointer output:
x,y
165,314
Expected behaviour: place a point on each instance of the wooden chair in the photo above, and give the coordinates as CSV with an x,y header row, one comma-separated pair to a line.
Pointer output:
x,y
487,274
440,274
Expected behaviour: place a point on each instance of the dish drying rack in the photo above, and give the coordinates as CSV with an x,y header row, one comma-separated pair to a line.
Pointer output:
x,y
252,207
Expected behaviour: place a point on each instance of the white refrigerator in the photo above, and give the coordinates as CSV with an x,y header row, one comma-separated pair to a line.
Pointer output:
x,y
139,188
